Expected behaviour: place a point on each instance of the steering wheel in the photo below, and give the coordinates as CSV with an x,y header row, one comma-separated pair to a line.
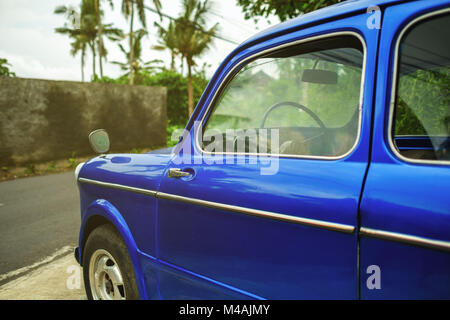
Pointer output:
x,y
301,107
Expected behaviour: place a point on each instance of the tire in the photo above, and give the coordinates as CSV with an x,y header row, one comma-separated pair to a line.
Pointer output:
x,y
105,253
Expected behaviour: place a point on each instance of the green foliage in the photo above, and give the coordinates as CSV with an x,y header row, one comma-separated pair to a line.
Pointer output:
x,y
105,79
30,169
51,166
4,70
73,162
177,95
283,9
423,102
177,99
173,134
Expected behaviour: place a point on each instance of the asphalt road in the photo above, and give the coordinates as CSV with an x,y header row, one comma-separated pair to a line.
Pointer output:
x,y
38,216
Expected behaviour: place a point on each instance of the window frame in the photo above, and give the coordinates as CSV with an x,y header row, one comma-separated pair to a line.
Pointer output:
x,y
241,64
395,80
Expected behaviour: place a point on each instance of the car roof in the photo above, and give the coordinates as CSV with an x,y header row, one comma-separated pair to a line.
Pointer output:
x,y
327,13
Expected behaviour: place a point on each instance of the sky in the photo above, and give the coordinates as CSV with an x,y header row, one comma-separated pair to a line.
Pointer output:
x,y
34,50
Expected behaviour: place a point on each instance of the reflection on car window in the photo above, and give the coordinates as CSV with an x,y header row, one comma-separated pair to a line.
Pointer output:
x,y
422,105
309,93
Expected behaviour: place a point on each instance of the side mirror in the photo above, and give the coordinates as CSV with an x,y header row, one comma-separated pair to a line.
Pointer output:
x,y
99,141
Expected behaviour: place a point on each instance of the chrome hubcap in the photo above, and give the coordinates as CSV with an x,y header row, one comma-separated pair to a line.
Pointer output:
x,y
105,277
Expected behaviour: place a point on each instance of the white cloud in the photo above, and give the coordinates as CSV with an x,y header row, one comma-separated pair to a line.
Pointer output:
x,y
28,67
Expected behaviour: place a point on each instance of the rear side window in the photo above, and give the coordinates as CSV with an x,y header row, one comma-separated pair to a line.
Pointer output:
x,y
421,124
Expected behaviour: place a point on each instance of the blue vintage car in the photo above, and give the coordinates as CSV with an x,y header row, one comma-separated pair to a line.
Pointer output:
x,y
315,166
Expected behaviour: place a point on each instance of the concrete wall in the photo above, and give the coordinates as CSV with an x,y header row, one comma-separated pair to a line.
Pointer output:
x,y
44,120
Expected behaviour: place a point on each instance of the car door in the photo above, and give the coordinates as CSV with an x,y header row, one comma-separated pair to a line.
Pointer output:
x,y
261,198
405,209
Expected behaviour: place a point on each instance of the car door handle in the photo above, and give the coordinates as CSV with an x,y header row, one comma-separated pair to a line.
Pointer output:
x,y
177,173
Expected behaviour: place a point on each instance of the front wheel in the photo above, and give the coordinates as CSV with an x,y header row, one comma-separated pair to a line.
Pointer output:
x,y
107,269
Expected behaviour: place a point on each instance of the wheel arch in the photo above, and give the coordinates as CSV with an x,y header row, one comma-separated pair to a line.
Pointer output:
x,y
101,212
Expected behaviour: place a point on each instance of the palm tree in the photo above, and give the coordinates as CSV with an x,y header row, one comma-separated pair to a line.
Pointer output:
x,y
80,41
168,40
138,64
113,34
89,24
128,10
195,39
84,31
80,45
101,47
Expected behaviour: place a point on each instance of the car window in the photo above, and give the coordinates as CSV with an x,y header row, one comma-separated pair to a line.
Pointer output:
x,y
308,94
422,103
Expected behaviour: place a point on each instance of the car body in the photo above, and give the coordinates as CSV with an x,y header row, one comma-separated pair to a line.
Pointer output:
x,y
368,220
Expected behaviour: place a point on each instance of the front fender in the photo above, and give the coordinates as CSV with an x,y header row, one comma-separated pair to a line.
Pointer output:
x,y
109,212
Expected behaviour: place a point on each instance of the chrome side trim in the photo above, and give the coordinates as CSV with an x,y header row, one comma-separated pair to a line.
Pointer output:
x,y
118,186
229,76
366,232
260,213
405,238
215,205
394,92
